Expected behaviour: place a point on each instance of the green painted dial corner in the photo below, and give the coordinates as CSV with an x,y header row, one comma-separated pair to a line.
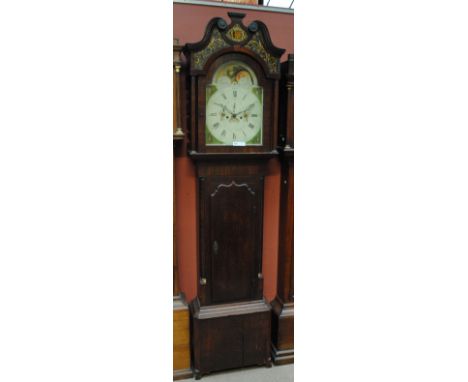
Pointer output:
x,y
210,139
256,140
258,92
210,90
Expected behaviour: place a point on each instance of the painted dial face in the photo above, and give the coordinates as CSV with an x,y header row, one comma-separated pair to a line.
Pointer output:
x,y
234,110
234,116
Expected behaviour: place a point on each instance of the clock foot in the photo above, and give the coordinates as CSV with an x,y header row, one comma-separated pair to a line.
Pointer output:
x,y
198,374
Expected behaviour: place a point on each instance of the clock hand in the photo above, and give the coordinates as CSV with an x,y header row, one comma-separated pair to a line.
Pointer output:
x,y
248,108
224,107
229,111
219,104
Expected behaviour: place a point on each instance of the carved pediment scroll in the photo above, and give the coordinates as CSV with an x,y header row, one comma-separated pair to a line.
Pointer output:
x,y
219,37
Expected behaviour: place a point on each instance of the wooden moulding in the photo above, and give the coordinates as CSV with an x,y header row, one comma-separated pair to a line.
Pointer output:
x,y
233,309
181,339
197,156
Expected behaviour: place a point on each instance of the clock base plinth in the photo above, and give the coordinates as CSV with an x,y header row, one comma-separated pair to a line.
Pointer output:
x,y
282,339
181,339
282,357
229,336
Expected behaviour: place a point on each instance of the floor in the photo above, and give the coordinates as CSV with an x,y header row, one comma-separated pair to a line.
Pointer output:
x,y
283,373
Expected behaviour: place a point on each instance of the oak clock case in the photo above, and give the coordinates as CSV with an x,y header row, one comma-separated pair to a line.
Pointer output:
x,y
234,85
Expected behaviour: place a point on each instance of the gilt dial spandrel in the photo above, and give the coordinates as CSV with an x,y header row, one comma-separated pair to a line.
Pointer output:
x,y
234,110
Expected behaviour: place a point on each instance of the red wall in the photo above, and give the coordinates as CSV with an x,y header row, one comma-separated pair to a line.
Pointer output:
x,y
188,26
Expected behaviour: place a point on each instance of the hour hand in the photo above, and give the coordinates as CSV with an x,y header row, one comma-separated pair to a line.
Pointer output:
x,y
224,107
229,111
220,105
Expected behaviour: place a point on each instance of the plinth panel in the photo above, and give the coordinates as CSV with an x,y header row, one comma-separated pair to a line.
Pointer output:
x,y
282,339
224,339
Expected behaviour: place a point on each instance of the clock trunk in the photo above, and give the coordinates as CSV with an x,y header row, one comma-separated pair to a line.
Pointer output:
x,y
230,319
231,217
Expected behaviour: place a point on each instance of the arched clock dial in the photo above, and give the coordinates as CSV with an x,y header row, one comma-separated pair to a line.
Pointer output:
x,y
234,109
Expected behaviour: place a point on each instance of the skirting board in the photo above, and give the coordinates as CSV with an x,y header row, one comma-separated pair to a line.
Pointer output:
x,y
182,374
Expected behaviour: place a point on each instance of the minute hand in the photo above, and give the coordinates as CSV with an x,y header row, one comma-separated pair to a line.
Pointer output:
x,y
248,108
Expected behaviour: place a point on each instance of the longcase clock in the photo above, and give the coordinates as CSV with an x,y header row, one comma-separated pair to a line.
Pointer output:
x,y
283,304
181,325
234,89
